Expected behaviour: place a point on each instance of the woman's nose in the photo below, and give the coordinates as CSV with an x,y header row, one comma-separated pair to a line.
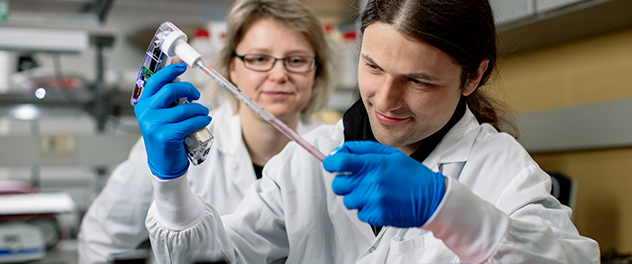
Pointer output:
x,y
278,72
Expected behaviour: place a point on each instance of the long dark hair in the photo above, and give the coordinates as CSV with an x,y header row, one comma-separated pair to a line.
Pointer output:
x,y
463,29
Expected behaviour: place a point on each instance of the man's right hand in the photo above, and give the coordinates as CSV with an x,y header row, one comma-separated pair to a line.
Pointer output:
x,y
164,128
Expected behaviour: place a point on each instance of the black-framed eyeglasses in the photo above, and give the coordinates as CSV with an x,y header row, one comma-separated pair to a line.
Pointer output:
x,y
264,63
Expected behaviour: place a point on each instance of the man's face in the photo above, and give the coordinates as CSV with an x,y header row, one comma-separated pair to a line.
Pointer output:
x,y
410,89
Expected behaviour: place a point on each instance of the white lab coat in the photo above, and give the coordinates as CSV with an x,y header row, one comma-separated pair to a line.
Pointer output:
x,y
496,209
114,222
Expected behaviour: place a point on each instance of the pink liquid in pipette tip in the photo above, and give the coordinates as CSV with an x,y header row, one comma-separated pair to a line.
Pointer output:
x,y
298,139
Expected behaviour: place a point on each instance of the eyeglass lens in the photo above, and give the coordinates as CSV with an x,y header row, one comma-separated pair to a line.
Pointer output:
x,y
259,62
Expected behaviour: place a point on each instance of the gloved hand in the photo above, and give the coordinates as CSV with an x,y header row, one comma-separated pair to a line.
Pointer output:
x,y
384,184
164,128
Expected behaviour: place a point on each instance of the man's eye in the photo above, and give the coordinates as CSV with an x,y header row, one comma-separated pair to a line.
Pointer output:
x,y
418,82
372,67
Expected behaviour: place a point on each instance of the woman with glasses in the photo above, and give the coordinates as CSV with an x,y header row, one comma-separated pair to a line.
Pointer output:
x,y
275,52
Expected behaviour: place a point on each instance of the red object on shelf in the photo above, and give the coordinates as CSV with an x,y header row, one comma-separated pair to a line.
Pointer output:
x,y
16,187
201,32
327,28
349,35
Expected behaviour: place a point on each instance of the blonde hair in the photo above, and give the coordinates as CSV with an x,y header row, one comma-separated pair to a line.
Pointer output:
x,y
292,14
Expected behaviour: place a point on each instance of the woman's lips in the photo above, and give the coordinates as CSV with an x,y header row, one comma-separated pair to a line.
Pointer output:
x,y
277,95
389,120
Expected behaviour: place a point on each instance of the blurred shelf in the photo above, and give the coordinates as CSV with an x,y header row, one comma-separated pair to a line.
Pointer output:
x,y
97,8
117,101
52,98
576,21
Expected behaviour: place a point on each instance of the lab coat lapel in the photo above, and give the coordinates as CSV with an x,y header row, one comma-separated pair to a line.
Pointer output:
x,y
452,152
364,228
228,140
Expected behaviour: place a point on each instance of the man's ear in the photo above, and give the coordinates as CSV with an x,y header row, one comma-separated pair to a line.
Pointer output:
x,y
473,81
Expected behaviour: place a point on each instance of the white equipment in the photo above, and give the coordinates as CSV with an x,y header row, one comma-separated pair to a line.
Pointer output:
x,y
21,242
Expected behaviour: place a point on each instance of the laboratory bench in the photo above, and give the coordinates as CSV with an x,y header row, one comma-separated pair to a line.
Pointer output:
x,y
64,253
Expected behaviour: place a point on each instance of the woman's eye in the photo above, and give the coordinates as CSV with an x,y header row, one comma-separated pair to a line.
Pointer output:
x,y
257,59
260,59
297,60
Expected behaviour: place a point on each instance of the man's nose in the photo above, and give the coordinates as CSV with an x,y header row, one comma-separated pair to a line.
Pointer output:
x,y
388,97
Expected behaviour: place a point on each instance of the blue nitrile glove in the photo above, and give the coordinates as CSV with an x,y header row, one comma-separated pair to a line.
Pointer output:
x,y
387,187
164,128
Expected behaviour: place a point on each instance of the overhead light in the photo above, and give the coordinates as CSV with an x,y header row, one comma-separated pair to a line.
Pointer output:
x,y
26,112
40,93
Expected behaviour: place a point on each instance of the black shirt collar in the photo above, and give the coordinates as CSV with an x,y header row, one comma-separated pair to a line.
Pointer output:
x,y
357,127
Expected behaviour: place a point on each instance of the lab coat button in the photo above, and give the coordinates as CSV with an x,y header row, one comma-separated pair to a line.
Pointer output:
x,y
235,166
371,249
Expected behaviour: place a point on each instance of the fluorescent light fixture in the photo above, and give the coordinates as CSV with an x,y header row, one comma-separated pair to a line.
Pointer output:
x,y
46,40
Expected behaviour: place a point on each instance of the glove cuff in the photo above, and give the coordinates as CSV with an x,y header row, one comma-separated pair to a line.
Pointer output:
x,y
167,176
439,192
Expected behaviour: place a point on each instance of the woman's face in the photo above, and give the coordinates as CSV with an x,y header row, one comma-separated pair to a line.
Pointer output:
x,y
282,93
410,89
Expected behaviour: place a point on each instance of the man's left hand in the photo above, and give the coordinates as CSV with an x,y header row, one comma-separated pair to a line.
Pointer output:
x,y
387,187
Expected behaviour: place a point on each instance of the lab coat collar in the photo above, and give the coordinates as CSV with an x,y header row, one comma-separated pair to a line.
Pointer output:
x,y
456,145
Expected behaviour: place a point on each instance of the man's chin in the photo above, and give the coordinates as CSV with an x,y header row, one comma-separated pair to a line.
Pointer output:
x,y
401,141
390,141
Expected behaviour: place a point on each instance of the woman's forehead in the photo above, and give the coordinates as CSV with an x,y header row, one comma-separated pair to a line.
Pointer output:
x,y
269,34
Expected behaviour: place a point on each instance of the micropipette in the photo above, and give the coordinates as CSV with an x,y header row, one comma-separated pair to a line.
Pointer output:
x,y
174,42
198,143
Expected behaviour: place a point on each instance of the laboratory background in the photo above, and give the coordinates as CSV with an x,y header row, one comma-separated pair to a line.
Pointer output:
x,y
68,68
